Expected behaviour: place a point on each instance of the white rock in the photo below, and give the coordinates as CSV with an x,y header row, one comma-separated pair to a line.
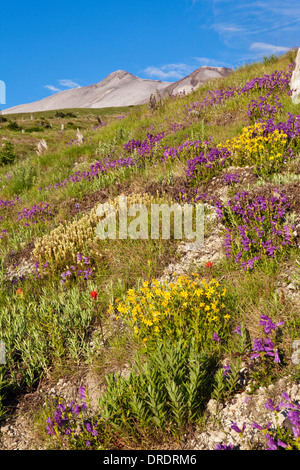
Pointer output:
x,y
212,407
291,286
218,436
295,80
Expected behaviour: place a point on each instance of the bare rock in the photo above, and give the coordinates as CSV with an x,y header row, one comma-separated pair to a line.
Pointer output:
x,y
295,81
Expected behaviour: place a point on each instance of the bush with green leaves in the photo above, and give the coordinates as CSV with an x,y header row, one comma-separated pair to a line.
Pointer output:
x,y
7,153
40,332
13,126
163,394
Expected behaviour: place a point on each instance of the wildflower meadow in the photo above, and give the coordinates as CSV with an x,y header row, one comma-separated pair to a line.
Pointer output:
x,y
162,329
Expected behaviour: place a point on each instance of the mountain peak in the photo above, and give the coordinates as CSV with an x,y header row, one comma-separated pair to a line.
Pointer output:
x,y
118,74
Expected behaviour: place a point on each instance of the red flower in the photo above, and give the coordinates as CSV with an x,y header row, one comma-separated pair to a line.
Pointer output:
x,y
94,294
208,264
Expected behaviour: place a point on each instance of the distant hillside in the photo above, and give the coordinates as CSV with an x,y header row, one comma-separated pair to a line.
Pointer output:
x,y
196,79
120,88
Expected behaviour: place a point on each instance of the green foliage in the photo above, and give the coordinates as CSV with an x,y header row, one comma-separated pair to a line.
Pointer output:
x,y
42,331
7,153
13,126
31,129
165,393
23,178
226,383
271,59
60,114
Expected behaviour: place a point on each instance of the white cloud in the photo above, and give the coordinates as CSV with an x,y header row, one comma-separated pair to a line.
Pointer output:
x,y
263,48
52,88
211,62
256,22
68,83
227,28
168,71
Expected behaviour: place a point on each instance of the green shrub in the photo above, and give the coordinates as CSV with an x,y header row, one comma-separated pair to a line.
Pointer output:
x,y
7,154
13,126
271,59
34,129
161,397
24,177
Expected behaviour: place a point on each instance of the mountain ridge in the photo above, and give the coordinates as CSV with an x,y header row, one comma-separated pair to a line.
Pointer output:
x,y
119,88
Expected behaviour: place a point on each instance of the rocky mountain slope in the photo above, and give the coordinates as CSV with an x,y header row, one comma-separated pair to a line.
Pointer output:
x,y
196,79
120,88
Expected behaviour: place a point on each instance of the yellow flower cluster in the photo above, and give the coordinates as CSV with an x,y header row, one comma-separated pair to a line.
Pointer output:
x,y
253,147
180,309
65,241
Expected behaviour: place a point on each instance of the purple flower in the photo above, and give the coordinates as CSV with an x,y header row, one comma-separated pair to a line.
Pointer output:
x,y
238,330
227,370
224,447
90,429
276,358
281,444
268,325
271,442
216,337
271,406
82,392
257,426
235,427
50,427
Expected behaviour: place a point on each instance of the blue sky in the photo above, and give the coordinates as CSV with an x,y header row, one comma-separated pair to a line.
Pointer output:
x,y
46,47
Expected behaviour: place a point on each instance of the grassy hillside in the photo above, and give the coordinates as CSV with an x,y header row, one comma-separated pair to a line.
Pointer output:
x,y
72,303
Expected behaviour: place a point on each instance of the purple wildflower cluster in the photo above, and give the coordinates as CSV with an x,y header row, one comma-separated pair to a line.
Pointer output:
x,y
101,125
189,147
259,227
273,442
143,147
177,127
255,226
264,107
291,127
224,447
231,178
265,346
65,422
39,268
205,164
3,233
4,203
36,213
83,268
278,81
96,169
